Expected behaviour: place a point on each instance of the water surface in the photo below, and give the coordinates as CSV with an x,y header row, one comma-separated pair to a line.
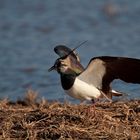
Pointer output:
x,y
29,30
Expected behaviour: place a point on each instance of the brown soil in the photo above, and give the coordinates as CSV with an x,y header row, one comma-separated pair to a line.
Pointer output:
x,y
38,119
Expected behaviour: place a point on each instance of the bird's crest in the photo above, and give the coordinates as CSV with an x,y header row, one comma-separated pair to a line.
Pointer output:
x,y
72,51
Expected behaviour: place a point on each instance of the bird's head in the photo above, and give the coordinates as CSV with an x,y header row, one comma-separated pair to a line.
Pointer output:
x,y
68,63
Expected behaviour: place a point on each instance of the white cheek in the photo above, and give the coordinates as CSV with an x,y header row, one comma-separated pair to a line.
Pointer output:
x,y
64,68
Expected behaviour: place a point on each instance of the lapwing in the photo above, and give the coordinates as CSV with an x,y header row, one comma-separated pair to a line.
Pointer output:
x,y
93,82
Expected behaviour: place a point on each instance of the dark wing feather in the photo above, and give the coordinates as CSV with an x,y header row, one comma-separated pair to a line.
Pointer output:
x,y
101,71
123,68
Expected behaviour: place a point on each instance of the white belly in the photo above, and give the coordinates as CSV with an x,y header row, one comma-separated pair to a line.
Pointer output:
x,y
83,91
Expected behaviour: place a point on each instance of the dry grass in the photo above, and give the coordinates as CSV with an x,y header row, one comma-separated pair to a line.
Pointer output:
x,y
33,119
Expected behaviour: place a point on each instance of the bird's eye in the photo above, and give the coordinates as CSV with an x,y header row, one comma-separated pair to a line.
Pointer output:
x,y
59,64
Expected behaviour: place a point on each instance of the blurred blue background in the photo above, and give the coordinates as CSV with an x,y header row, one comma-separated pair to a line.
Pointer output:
x,y
30,29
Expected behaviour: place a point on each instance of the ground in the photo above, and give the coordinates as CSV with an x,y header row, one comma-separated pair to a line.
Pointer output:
x,y
38,119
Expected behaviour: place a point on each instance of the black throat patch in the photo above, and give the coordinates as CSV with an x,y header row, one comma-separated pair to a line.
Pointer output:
x,y
67,81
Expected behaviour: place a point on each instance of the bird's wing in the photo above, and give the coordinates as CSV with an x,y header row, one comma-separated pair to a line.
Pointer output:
x,y
101,71
94,73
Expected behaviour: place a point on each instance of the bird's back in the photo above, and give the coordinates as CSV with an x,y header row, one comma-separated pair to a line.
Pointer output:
x,y
126,69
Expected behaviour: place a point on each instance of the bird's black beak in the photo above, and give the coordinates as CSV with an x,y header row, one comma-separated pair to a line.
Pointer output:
x,y
55,66
52,68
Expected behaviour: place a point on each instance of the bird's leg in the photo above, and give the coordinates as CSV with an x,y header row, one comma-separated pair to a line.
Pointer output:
x,y
106,97
92,109
93,105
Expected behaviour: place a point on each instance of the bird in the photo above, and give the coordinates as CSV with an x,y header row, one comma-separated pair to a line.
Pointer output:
x,y
93,82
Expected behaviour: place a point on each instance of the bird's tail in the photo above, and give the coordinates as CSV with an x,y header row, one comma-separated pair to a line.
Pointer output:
x,y
116,93
111,93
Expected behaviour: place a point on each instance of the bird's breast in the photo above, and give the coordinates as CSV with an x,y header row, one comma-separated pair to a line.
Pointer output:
x,y
83,91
